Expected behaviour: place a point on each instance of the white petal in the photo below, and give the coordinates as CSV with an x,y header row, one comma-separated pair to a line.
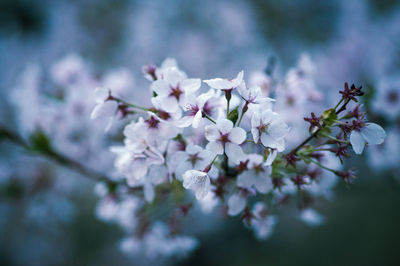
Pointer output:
x,y
255,120
173,76
197,119
192,177
237,135
169,104
161,87
215,147
184,122
263,183
204,188
271,158
140,168
211,133
236,204
101,94
218,83
104,110
256,134
224,126
357,142
278,129
238,80
373,133
245,180
268,141
280,144
190,85
234,152
311,217
267,116
193,149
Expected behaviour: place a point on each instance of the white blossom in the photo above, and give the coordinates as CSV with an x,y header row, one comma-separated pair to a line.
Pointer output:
x,y
194,157
225,84
370,133
223,137
174,88
270,129
104,109
257,175
198,181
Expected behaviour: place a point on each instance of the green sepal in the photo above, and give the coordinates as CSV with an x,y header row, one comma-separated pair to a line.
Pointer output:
x,y
329,116
234,115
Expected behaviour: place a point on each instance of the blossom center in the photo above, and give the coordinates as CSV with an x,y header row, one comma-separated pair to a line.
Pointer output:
x,y
193,158
176,92
224,138
152,122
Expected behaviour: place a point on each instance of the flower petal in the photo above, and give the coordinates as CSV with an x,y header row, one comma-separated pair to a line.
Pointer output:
x,y
101,94
224,126
373,133
236,204
104,110
218,83
357,142
215,147
161,87
268,141
191,85
234,152
211,133
237,135
203,188
278,129
197,119
267,116
271,158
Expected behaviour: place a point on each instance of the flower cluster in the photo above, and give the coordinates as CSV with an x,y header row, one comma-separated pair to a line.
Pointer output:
x,y
197,145
225,142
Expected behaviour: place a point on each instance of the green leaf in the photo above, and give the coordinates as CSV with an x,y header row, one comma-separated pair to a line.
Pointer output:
x,y
234,115
39,141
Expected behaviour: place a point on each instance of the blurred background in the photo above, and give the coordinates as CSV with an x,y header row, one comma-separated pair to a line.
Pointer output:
x,y
51,221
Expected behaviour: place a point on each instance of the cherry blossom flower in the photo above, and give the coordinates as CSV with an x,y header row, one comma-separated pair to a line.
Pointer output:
x,y
262,223
270,129
198,181
104,109
225,84
256,176
194,157
174,88
370,133
387,98
253,95
311,217
224,137
195,106
134,166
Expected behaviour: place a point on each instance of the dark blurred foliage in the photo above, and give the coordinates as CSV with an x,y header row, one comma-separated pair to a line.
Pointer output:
x,y
311,22
107,32
380,7
23,17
